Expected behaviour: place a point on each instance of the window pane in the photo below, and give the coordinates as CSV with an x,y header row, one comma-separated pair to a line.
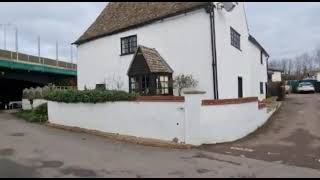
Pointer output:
x,y
235,38
128,44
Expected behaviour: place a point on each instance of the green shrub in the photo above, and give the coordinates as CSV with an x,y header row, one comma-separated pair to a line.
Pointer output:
x,y
37,115
89,96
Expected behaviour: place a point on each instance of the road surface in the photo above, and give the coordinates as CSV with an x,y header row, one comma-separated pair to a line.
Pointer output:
x,y
32,150
291,136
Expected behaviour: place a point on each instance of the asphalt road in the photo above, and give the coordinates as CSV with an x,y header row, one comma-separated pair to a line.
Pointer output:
x,y
291,136
31,150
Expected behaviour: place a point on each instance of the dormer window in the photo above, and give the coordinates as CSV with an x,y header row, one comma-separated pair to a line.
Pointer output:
x,y
128,45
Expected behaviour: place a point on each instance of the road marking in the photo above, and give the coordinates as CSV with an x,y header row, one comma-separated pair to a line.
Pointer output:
x,y
270,153
241,149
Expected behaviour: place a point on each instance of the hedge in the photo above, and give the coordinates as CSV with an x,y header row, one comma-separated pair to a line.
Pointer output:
x,y
89,96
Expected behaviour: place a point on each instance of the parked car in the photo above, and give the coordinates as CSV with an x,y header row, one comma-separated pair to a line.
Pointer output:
x,y
15,104
306,87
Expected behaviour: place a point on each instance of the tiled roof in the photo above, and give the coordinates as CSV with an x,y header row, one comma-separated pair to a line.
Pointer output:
x,y
154,60
120,16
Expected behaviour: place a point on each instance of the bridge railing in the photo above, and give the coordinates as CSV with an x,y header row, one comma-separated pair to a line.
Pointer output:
x,y
10,55
65,87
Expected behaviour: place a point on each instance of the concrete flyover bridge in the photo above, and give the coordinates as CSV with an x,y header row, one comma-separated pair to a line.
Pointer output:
x,y
19,71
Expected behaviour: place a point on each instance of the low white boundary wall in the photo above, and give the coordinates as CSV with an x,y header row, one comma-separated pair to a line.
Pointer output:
x,y
224,123
158,120
26,105
190,121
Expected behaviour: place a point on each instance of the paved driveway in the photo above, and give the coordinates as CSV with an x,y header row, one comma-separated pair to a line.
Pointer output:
x,y
292,135
31,150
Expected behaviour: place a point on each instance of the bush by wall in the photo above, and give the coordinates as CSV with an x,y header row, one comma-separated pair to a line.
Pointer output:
x,y
36,115
36,93
89,96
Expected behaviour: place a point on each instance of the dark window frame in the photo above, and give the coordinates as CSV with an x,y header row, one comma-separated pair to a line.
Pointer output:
x,y
235,38
261,57
152,85
126,43
261,88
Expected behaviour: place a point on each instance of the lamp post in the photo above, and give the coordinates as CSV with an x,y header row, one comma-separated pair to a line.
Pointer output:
x,y
5,34
71,55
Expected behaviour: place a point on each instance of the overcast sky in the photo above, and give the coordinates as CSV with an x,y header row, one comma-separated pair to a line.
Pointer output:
x,y
284,29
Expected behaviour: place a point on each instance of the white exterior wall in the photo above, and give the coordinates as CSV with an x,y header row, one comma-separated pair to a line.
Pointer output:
x,y
232,62
225,123
183,41
276,77
188,121
158,120
26,105
258,71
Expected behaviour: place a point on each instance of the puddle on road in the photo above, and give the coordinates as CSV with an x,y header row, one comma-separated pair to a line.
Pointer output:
x,y
10,169
176,173
51,164
6,152
19,134
202,171
79,172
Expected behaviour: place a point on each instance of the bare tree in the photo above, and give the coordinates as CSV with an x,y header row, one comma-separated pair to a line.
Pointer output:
x,y
184,81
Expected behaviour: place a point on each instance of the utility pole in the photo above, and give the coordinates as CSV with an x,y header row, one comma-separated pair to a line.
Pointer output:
x,y
5,35
17,41
71,54
39,51
76,59
57,53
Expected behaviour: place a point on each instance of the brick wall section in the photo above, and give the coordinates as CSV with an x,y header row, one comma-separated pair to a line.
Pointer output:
x,y
160,99
262,105
211,102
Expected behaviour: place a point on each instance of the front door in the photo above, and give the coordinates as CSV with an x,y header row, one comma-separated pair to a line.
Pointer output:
x,y
240,87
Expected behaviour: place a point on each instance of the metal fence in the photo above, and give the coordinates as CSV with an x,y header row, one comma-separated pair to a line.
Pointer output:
x,y
10,55
65,87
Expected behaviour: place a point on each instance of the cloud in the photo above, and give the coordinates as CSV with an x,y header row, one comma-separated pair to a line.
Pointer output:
x,y
62,22
285,29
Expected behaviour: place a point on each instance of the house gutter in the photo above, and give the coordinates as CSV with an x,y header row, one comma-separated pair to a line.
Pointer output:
x,y
210,10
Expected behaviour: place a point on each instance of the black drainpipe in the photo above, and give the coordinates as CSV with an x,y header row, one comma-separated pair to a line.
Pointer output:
x,y
210,10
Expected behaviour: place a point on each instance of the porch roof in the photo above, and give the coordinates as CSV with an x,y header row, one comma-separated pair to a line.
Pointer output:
x,y
153,60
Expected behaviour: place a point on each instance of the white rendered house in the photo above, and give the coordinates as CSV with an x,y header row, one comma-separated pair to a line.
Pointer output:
x,y
142,46
275,75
